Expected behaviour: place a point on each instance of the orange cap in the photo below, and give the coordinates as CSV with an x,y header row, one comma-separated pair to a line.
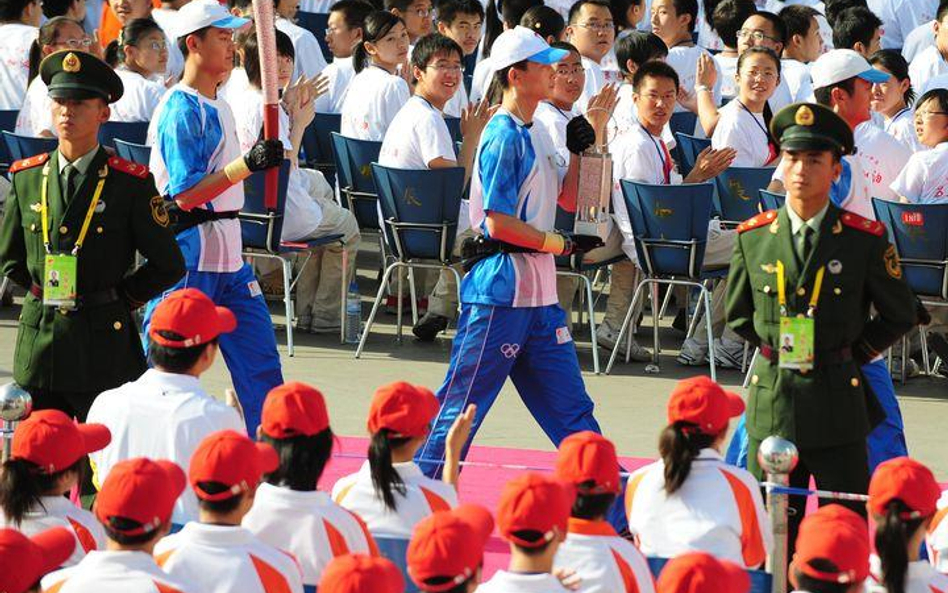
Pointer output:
x,y
449,544
586,457
294,409
405,409
701,401
699,572
141,490
51,440
533,502
358,573
25,560
907,480
836,534
230,458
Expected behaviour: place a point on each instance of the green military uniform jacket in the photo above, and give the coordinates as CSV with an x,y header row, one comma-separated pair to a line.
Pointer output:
x,y
831,404
97,347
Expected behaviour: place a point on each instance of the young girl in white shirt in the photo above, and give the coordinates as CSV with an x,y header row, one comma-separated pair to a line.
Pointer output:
x,y
379,88
140,57
924,179
744,123
893,98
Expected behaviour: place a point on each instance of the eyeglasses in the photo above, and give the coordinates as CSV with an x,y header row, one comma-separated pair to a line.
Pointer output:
x,y
455,68
334,30
598,27
928,114
76,43
757,36
157,45
569,71
765,76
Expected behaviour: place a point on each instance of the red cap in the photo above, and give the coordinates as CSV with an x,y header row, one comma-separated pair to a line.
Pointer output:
x,y
836,534
358,573
907,480
699,572
589,457
25,560
192,314
701,401
51,440
533,502
403,408
141,490
230,458
294,409
449,544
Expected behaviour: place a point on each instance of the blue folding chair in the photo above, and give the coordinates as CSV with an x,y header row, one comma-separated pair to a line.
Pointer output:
x,y
134,132
761,582
919,233
317,144
670,227
356,185
7,124
688,148
137,153
22,147
316,23
771,200
396,550
420,209
454,128
738,195
261,229
683,122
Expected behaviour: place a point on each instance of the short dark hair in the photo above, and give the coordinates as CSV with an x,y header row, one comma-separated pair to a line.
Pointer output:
x,y
592,506
440,581
835,7
823,95
500,76
302,460
654,69
53,8
940,96
531,536
218,507
175,360
808,583
780,29
12,10
432,45
183,40
855,25
689,7
448,10
893,61
639,47
729,17
578,5
544,21
116,529
798,19
248,44
353,12
942,10
399,5
620,11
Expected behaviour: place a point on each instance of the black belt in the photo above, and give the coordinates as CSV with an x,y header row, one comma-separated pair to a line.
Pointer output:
x,y
826,357
92,299
182,220
478,247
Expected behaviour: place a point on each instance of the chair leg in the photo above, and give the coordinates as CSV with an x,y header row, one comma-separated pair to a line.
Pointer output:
x,y
3,287
414,296
345,294
625,325
375,308
654,368
288,302
665,301
592,323
904,351
706,297
693,323
750,367
923,338
398,313
744,357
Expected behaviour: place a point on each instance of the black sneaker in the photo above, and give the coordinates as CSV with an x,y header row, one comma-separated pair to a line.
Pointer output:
x,y
428,327
939,346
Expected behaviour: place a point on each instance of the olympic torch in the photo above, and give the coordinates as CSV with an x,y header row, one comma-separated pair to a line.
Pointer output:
x,y
266,42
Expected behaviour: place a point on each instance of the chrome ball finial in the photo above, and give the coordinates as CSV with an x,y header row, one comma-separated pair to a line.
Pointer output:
x,y
15,403
777,455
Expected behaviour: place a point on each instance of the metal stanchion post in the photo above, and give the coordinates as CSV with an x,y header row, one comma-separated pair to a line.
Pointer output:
x,y
778,457
15,405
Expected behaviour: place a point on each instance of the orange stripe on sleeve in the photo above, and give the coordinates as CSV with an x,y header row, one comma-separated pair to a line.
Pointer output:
x,y
630,489
162,558
163,588
337,543
271,579
752,543
435,502
55,588
369,540
85,537
628,577
938,518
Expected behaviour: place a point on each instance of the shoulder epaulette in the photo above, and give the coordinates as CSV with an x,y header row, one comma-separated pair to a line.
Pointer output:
x,y
33,161
140,171
757,221
873,227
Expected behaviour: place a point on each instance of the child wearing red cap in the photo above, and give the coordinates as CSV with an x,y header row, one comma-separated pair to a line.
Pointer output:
x,y
938,536
691,499
532,516
357,573
832,552
134,507
390,492
295,423
446,552
903,497
216,553
45,464
602,559
165,413
24,560
700,572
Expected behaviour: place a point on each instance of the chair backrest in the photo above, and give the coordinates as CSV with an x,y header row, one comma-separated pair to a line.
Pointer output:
x,y
670,225
738,195
129,131
22,147
137,153
421,209
7,124
354,171
261,228
317,144
771,200
396,550
454,127
688,147
316,23
761,582
920,235
683,122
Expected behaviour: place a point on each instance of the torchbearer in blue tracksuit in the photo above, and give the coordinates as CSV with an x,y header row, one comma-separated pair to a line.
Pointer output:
x,y
511,324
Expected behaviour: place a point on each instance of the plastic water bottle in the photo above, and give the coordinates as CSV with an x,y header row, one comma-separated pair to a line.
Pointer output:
x,y
353,314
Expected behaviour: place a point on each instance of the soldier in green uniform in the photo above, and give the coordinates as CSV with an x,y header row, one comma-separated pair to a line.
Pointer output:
x,y
74,220
806,275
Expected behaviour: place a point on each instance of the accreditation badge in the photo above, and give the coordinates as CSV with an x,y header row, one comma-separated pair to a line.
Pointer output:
x,y
796,343
59,280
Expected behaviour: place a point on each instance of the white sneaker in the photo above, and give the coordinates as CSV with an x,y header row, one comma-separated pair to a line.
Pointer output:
x,y
693,353
606,336
728,354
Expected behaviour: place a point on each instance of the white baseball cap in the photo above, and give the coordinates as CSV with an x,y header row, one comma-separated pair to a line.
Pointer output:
x,y
842,64
519,44
198,14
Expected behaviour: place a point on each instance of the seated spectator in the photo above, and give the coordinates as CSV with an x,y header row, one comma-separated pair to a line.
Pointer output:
x,y
545,22
139,56
390,492
134,507
343,35
728,18
937,539
417,16
901,17
129,10
357,573
73,9
804,45
931,61
295,423
903,497
446,552
632,51
832,552
310,61
18,22
665,499
378,89
603,560
893,98
921,37
45,464
591,30
215,554
461,21
311,212
165,414
498,17
698,572
25,560
924,179
857,29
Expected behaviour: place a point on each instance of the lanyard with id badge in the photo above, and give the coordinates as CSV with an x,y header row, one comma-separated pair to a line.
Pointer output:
x,y
796,346
60,269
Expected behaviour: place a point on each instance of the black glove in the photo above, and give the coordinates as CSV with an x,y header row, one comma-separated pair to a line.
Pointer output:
x,y
581,243
264,154
579,135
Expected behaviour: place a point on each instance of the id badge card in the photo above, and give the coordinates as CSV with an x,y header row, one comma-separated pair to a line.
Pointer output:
x,y
59,280
796,343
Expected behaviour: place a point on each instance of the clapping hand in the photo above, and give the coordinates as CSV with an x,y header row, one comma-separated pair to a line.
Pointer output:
x,y
710,163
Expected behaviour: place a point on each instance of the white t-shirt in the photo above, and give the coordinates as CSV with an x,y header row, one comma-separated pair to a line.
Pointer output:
x,y
684,59
900,17
309,56
796,75
927,65
416,136
237,83
924,180
937,539
57,511
160,416
882,157
727,66
114,572
422,497
15,41
374,97
605,562
458,101
227,558
595,80
745,132
902,128
514,582
340,73
921,577
480,81
921,37
935,82
36,114
554,120
139,100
